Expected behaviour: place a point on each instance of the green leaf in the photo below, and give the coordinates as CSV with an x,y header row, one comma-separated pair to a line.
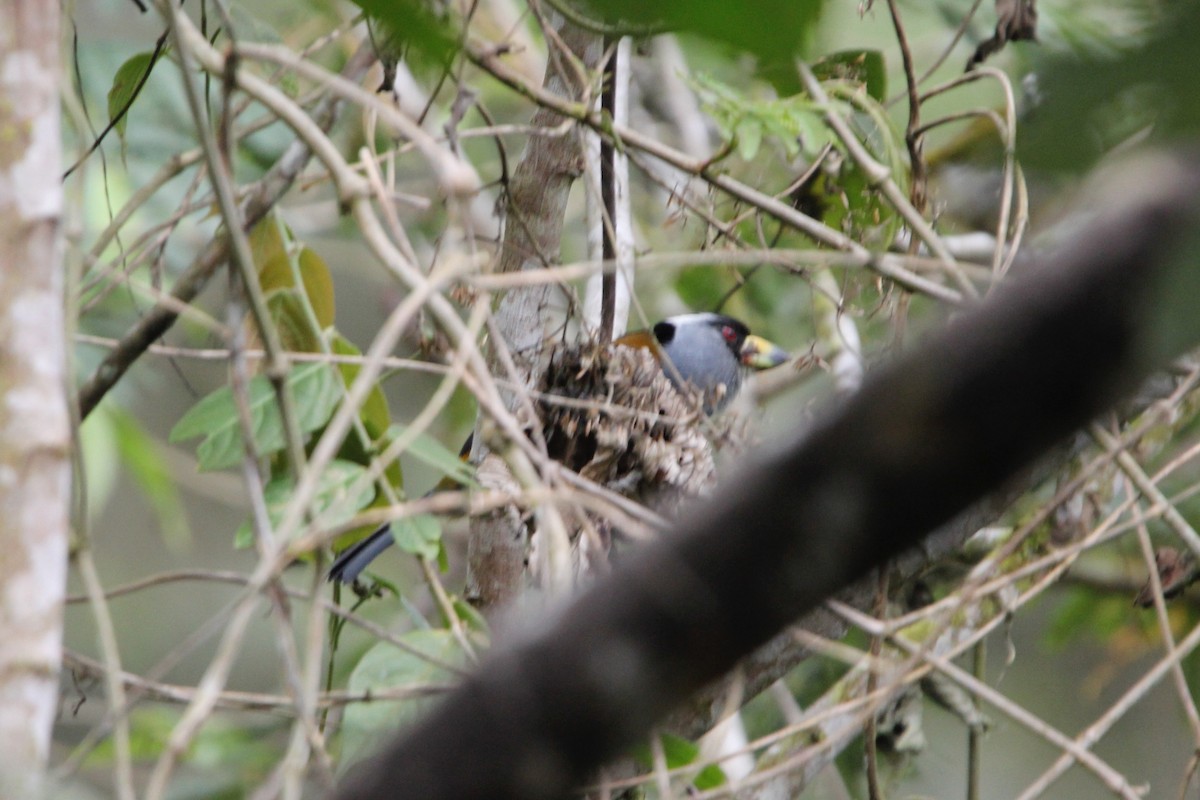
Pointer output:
x,y
774,30
420,535
279,271
215,416
386,667
679,752
433,453
710,777
811,129
850,202
749,133
288,312
409,29
269,241
126,82
340,494
374,412
297,283
318,285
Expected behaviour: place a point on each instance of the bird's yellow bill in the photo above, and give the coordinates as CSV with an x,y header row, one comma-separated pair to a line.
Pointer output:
x,y
758,353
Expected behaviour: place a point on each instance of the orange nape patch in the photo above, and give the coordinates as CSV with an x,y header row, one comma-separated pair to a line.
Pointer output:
x,y
639,340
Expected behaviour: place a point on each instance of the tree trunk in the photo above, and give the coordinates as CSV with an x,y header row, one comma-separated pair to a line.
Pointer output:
x,y
34,428
525,317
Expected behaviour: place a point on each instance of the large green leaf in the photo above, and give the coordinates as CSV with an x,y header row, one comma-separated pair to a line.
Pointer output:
x,y
215,417
774,30
340,494
385,667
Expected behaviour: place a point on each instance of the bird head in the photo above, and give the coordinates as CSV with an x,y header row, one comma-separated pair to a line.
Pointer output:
x,y
707,352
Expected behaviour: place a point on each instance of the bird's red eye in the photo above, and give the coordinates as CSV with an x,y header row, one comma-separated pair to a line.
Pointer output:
x,y
729,333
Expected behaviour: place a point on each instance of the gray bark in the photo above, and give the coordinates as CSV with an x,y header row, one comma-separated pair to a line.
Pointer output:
x,y
525,318
34,429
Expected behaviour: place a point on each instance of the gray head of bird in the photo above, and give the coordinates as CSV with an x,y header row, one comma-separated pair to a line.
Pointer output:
x,y
707,352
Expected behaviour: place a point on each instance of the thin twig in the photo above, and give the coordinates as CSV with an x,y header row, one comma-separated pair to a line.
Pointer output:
x,y
870,734
608,194
110,651
975,732
912,135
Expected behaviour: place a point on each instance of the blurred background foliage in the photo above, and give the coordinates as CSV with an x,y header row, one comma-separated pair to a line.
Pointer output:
x,y
1102,77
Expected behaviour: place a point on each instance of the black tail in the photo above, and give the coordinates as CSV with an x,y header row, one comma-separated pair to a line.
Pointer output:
x,y
354,559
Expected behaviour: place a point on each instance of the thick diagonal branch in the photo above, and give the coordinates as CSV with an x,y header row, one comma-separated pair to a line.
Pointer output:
x,y
921,441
